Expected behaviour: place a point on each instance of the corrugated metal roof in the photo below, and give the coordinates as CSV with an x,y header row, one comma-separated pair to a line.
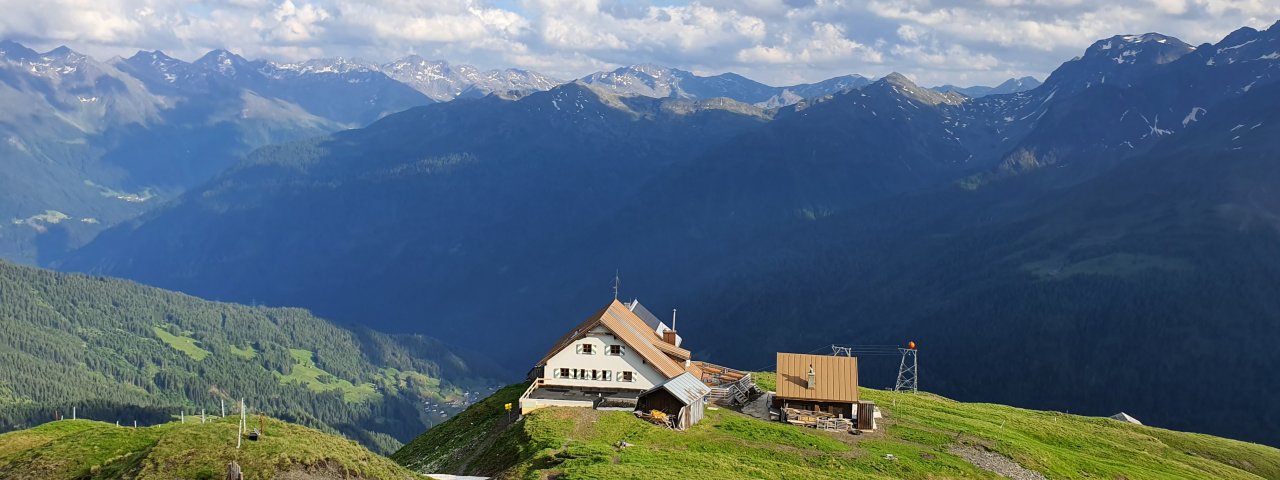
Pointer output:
x,y
644,314
633,332
1124,417
835,378
686,388
651,320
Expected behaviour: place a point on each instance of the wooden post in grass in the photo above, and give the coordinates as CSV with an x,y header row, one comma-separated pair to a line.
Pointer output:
x,y
243,425
233,471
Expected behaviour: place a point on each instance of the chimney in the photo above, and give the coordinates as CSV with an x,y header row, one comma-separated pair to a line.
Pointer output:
x,y
669,335
812,383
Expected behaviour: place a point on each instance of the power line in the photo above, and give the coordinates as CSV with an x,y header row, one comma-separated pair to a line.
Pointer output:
x,y
852,350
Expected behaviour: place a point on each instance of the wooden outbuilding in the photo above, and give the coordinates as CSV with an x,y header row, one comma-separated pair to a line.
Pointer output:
x,y
822,384
682,398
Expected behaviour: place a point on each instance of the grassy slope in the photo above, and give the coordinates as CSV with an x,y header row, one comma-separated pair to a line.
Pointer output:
x,y
918,431
89,449
449,446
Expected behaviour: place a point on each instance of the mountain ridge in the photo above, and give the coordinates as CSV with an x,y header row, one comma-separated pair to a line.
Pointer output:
x,y
666,82
1012,85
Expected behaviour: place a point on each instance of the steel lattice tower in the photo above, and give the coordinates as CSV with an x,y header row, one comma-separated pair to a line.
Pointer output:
x,y
908,371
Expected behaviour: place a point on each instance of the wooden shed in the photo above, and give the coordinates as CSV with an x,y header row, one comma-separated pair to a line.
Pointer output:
x,y
683,398
823,384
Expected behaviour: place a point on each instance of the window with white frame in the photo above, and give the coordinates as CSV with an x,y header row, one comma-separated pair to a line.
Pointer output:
x,y
585,349
564,373
625,377
615,350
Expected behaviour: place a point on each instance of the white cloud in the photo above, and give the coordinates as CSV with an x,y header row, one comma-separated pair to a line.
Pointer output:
x,y
825,43
777,41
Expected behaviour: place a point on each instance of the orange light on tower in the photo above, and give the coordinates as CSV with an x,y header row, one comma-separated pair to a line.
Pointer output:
x,y
911,345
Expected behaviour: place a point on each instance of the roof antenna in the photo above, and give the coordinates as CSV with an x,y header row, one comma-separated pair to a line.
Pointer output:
x,y
673,319
616,282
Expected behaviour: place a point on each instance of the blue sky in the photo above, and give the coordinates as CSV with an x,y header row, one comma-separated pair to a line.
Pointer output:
x,y
776,41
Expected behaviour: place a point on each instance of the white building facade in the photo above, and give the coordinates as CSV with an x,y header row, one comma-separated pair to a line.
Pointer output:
x,y
600,360
608,361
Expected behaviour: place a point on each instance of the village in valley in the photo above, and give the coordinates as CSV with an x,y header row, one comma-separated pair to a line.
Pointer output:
x,y
624,358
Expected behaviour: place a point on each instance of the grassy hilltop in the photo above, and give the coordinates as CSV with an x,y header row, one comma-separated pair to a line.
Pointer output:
x,y
925,434
84,449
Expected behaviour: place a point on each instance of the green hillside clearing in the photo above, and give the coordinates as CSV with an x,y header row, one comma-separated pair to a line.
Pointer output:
x,y
182,343
306,372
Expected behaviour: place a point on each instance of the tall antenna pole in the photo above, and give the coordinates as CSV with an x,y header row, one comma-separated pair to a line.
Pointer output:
x,y
673,319
617,281
908,370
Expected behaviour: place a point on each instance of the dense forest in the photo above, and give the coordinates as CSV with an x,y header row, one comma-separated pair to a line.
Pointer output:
x,y
118,351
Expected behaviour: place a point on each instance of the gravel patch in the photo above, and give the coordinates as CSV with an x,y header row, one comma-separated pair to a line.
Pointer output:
x,y
759,408
995,463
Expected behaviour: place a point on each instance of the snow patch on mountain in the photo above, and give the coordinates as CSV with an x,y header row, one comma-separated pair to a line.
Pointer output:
x,y
1193,115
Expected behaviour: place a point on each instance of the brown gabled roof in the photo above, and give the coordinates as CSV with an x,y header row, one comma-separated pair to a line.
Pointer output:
x,y
836,378
633,332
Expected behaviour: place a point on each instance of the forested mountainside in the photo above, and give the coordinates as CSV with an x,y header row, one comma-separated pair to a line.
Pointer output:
x,y
1118,214
118,351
